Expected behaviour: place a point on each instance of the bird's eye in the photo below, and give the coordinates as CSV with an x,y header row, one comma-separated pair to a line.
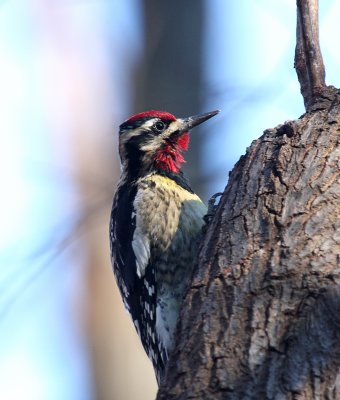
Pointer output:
x,y
159,126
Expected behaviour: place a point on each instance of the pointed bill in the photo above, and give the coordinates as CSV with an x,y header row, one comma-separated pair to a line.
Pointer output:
x,y
188,123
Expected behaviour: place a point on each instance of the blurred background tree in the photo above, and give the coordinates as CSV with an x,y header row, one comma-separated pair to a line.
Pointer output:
x,y
70,73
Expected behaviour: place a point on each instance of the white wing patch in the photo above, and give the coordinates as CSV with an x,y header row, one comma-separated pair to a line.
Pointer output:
x,y
141,248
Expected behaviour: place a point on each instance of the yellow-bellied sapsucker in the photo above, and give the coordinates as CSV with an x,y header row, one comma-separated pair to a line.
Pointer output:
x,y
155,226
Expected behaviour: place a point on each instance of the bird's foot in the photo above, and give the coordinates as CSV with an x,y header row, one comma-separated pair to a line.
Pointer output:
x,y
212,207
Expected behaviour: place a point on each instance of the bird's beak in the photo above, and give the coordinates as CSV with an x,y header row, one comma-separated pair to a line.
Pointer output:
x,y
191,122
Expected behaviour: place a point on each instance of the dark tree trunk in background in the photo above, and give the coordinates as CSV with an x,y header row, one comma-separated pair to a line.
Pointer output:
x,y
170,75
261,319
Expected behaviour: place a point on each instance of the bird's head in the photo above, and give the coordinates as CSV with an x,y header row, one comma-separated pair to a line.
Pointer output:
x,y
155,140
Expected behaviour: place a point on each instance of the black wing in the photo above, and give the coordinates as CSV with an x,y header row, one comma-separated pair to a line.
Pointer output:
x,y
139,293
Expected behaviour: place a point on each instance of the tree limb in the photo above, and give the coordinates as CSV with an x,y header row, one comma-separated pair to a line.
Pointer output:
x,y
308,58
261,316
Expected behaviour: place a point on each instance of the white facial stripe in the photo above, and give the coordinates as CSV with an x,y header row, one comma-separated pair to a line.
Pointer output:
x,y
126,136
148,124
175,125
153,143
156,141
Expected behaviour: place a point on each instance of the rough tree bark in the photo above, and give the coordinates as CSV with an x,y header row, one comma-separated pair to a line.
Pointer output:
x,y
261,318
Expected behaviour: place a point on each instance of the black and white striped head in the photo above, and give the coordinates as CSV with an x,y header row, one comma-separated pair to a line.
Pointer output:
x,y
154,140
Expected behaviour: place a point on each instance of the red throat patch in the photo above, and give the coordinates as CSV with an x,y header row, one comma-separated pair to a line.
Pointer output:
x,y
170,158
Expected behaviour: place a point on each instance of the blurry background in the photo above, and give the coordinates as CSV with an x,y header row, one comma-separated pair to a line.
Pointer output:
x,y
70,72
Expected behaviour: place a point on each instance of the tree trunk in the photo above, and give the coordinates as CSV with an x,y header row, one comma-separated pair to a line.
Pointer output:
x,y
261,318
170,76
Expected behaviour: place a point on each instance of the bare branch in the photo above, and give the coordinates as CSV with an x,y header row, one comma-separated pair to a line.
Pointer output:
x,y
308,58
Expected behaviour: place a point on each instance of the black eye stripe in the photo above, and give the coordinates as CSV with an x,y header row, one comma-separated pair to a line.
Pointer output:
x,y
129,125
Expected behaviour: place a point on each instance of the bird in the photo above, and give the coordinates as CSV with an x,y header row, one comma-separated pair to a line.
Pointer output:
x,y
155,226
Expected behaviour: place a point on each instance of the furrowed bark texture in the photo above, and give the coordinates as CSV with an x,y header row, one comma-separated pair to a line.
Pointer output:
x,y
261,319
